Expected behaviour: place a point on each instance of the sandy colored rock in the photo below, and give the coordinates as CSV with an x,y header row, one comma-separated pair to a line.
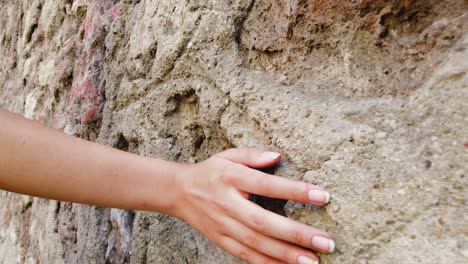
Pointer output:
x,y
368,99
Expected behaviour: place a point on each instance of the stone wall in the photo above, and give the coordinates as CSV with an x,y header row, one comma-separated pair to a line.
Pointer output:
x,y
366,98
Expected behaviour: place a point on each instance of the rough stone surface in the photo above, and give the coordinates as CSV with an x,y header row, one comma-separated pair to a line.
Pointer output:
x,y
366,98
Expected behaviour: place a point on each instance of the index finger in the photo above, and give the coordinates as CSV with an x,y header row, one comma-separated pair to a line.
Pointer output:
x,y
257,182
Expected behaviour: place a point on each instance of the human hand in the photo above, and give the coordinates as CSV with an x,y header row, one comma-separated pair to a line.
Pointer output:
x,y
213,198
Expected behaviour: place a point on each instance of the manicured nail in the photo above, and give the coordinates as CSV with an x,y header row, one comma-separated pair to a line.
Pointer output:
x,y
269,156
319,196
306,260
323,244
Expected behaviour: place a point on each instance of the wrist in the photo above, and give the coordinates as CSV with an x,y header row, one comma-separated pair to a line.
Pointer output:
x,y
160,189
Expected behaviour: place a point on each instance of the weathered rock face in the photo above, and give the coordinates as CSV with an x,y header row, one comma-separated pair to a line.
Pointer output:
x,y
366,98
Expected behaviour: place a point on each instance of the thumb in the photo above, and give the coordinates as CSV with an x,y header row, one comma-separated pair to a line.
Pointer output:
x,y
251,157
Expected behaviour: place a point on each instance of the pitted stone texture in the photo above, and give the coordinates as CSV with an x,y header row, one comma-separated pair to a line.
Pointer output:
x,y
365,98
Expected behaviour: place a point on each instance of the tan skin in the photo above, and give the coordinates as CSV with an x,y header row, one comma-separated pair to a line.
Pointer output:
x,y
212,195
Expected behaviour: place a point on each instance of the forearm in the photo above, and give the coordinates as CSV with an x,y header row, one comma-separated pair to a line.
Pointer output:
x,y
43,162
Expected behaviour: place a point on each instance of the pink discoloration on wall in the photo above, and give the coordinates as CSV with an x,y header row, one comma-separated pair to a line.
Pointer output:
x,y
61,68
89,66
96,61
115,11
79,67
112,14
85,94
32,81
92,21
84,89
95,22
69,44
91,114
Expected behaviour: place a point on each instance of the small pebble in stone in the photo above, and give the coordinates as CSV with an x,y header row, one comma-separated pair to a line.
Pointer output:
x,y
427,164
335,208
441,221
381,135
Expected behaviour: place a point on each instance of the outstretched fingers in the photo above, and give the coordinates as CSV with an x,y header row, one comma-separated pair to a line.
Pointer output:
x,y
268,224
280,227
267,245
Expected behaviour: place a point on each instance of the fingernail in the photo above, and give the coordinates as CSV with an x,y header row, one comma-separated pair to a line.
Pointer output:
x,y
306,260
323,244
269,156
320,196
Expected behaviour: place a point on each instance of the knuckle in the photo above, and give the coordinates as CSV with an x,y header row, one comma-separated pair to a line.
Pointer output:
x,y
231,172
257,220
298,191
284,253
225,172
263,182
298,235
223,205
300,194
224,177
251,238
268,183
259,181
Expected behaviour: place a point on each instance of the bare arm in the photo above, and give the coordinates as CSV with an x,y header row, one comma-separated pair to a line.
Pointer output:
x,y
41,161
212,195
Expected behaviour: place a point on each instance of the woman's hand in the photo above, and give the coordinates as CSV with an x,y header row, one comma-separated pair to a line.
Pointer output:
x,y
213,198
